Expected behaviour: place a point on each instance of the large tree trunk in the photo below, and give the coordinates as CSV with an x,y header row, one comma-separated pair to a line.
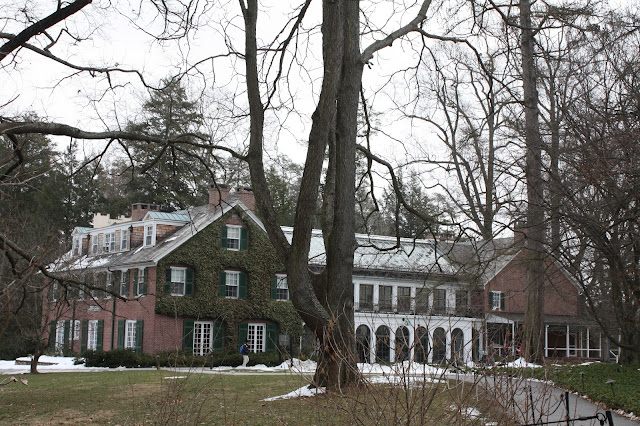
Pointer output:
x,y
533,339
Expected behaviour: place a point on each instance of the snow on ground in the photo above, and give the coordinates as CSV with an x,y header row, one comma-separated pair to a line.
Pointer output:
x,y
521,363
303,391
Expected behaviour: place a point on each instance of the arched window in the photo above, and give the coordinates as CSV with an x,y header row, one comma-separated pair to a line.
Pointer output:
x,y
457,346
363,341
402,344
421,349
383,351
439,345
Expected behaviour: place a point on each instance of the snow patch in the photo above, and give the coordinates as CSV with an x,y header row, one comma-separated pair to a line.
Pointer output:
x,y
303,391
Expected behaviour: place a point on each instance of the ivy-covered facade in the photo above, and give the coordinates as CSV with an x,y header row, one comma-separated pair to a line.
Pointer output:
x,y
200,280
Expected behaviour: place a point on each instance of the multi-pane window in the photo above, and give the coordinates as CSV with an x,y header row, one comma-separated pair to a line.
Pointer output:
x,y
282,288
202,337
178,279
94,244
385,295
365,300
149,235
130,334
124,283
76,249
497,301
109,242
232,282
124,239
462,302
76,329
422,300
404,299
233,237
256,336
141,287
92,335
60,343
439,301
108,285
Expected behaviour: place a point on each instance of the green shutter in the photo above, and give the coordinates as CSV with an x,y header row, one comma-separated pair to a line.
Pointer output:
x,y
243,238
271,337
242,286
187,336
218,336
135,282
145,280
52,334
67,327
84,333
223,241
490,300
222,287
274,286
188,284
121,325
503,298
243,332
139,335
167,280
100,333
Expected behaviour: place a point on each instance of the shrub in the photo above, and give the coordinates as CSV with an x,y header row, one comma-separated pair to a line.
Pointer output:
x,y
118,358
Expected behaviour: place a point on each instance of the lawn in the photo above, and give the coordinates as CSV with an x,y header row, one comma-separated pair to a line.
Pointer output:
x,y
168,397
624,394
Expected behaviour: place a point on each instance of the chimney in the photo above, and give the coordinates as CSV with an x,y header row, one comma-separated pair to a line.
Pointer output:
x,y
217,195
519,231
245,194
138,210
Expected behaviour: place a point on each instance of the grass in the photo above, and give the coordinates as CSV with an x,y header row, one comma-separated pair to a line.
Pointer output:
x,y
146,397
593,383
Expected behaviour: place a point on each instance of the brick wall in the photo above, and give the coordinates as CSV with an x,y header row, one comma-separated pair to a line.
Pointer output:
x,y
561,296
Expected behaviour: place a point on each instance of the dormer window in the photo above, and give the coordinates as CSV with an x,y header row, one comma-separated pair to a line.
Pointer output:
x,y
124,239
76,248
234,237
149,235
94,244
109,242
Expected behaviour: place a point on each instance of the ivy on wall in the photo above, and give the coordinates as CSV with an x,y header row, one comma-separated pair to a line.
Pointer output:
x,y
203,253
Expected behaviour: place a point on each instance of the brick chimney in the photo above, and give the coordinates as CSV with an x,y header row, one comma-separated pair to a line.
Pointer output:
x,y
217,195
245,194
138,210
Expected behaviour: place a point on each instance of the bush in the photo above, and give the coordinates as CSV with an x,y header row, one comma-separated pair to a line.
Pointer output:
x,y
118,358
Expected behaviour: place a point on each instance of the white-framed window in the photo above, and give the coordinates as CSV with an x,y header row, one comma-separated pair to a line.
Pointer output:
x,y
141,288
404,299
256,335
109,242
202,337
178,279
124,239
124,283
76,329
282,288
365,297
232,282
94,244
130,334
60,343
440,300
108,286
497,300
149,235
233,237
92,335
55,291
76,247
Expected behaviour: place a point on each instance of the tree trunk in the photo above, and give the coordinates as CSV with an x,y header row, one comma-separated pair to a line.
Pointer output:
x,y
533,339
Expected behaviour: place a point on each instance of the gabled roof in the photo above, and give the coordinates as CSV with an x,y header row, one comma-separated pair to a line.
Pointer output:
x,y
197,218
482,260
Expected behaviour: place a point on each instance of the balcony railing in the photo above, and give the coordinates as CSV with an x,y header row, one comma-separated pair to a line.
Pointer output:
x,y
406,308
